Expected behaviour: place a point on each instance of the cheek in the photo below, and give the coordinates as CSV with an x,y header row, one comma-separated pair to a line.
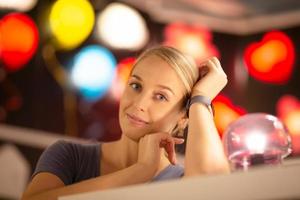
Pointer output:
x,y
164,122
125,100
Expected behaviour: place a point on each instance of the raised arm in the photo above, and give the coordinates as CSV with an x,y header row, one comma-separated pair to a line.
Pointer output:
x,y
204,150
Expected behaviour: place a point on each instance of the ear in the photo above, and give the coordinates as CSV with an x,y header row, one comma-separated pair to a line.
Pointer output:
x,y
183,122
180,126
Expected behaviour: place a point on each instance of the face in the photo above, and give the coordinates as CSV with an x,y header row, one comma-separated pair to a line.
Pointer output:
x,y
152,100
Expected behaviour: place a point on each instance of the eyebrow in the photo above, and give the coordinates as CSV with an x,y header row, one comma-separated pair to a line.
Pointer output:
x,y
161,86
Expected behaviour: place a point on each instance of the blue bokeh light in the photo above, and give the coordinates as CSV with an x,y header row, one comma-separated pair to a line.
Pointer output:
x,y
93,71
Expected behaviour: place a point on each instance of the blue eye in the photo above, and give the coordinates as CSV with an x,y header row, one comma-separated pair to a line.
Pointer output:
x,y
135,86
161,97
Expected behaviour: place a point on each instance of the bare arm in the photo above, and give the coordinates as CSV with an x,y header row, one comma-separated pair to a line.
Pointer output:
x,y
204,149
47,186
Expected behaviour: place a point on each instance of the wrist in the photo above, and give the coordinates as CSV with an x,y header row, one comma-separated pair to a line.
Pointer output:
x,y
145,169
202,100
196,93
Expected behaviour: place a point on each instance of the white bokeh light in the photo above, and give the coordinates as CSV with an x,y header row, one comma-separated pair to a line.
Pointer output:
x,y
20,5
256,142
122,27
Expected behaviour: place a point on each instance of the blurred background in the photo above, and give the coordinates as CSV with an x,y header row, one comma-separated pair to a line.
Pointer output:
x,y
63,64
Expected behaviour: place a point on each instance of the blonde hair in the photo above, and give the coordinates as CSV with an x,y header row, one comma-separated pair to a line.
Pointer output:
x,y
184,66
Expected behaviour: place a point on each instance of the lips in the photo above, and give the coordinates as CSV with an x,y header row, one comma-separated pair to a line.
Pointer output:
x,y
136,120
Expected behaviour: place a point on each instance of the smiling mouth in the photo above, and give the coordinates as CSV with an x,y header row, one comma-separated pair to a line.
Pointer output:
x,y
135,120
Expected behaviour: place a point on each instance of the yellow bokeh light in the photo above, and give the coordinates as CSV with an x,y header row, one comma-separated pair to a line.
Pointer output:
x,y
71,22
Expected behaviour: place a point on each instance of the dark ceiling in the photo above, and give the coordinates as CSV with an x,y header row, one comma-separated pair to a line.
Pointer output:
x,y
239,17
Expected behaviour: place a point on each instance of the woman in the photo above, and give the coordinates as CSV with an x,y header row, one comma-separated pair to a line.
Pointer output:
x,y
155,106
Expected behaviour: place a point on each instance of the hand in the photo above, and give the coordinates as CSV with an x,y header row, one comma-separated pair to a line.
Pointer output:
x,y
212,79
151,146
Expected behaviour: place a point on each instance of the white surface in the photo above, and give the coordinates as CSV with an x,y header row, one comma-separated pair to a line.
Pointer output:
x,y
31,137
281,182
14,172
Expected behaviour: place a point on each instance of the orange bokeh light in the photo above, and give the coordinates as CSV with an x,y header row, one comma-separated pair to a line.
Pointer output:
x,y
225,112
288,110
292,121
266,56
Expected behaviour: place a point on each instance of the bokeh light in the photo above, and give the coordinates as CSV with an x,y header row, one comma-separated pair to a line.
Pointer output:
x,y
93,71
19,5
71,22
124,68
194,40
122,27
288,109
272,59
18,41
225,112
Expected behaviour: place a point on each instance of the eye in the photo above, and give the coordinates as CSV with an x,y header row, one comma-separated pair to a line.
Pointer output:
x,y
161,97
135,86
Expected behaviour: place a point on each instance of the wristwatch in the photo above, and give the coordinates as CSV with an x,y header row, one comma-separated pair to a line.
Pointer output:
x,y
203,100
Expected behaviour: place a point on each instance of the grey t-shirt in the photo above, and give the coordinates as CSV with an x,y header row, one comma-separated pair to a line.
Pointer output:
x,y
74,162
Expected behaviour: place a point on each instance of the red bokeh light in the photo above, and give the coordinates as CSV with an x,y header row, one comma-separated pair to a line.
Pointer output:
x,y
195,40
272,59
124,68
18,41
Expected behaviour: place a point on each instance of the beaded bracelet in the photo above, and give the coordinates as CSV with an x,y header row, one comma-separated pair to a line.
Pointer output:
x,y
203,100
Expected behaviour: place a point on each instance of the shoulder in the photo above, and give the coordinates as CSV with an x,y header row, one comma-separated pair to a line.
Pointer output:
x,y
60,145
70,149
67,159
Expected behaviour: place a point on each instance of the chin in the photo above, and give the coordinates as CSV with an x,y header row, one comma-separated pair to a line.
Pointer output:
x,y
133,135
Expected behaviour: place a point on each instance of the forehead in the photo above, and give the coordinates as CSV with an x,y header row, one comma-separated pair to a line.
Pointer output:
x,y
156,71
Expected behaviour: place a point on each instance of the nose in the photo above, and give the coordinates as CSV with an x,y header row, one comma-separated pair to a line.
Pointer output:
x,y
142,102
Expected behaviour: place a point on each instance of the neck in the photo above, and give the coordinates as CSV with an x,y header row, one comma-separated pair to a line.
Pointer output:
x,y
120,154
123,153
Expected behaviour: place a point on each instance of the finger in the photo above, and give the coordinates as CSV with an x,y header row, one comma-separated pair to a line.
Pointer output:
x,y
166,137
216,61
203,70
170,149
212,65
178,140
162,143
169,146
168,143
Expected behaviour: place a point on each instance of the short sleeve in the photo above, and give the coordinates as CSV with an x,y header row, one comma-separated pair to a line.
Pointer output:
x,y
170,172
58,160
